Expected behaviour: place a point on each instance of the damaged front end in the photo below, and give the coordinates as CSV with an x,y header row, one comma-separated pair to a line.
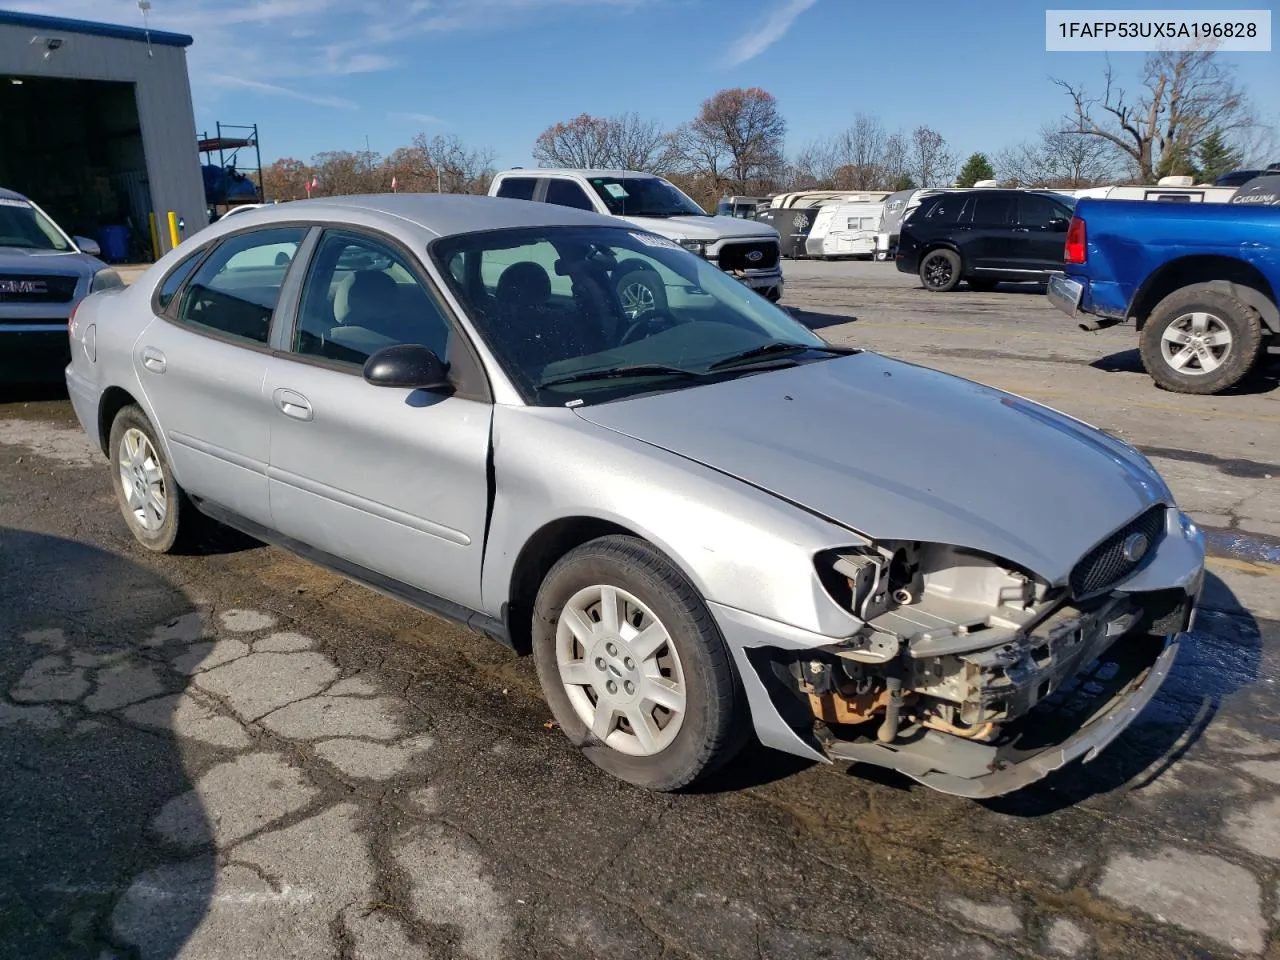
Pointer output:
x,y
972,676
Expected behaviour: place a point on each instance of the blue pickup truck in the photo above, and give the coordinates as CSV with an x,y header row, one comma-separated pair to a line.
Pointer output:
x,y
1200,281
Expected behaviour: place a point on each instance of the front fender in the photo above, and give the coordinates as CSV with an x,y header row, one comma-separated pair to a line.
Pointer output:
x,y
739,546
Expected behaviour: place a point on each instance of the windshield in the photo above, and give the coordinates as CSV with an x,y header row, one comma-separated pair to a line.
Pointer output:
x,y
644,197
611,312
22,225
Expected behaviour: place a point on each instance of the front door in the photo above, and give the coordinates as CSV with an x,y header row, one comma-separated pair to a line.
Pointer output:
x,y
1042,226
390,479
202,362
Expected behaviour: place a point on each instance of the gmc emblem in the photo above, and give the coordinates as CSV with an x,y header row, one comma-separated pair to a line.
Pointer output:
x,y
23,286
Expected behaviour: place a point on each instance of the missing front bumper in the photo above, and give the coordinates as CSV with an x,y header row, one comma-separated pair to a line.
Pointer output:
x,y
1079,721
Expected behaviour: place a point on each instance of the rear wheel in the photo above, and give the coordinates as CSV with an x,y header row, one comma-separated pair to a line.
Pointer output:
x,y
634,667
158,512
940,270
1200,340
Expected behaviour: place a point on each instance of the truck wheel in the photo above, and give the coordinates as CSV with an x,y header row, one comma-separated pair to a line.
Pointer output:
x,y
640,289
1200,340
940,271
634,667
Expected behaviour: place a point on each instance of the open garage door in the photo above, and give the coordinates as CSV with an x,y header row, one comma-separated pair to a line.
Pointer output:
x,y
75,148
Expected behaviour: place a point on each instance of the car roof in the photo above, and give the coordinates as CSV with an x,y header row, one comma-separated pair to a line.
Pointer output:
x,y
583,171
444,214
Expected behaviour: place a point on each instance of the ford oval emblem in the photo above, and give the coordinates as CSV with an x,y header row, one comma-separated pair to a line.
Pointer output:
x,y
1134,547
755,256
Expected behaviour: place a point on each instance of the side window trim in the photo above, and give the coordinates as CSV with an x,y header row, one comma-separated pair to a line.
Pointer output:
x,y
475,381
171,314
285,316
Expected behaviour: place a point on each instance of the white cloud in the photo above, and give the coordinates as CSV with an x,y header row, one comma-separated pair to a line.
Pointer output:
x,y
274,89
302,48
415,117
775,27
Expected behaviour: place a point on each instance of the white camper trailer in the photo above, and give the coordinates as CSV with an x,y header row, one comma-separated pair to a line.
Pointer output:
x,y
844,230
1167,190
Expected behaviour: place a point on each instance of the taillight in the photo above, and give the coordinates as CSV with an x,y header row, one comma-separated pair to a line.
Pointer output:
x,y
71,319
1077,245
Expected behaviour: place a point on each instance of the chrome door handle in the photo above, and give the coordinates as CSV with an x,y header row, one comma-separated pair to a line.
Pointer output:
x,y
153,359
293,404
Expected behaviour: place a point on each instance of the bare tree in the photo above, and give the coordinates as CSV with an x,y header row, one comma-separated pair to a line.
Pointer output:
x,y
1060,159
453,166
285,179
861,149
896,163
736,139
814,167
929,162
581,143
347,172
1185,95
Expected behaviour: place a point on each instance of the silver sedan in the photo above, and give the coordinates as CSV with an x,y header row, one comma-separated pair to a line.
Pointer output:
x,y
701,521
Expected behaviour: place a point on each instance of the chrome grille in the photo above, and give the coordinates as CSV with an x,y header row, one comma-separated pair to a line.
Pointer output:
x,y
1107,563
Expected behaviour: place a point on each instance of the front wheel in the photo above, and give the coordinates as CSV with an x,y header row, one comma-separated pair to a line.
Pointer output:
x,y
940,270
1200,340
634,667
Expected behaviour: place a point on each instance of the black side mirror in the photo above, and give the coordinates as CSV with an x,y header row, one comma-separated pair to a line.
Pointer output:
x,y
409,366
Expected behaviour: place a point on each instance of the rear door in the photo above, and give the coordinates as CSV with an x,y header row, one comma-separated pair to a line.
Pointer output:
x,y
202,360
991,242
392,480
1041,233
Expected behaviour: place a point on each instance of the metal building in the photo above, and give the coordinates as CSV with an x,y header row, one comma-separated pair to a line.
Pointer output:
x,y
98,127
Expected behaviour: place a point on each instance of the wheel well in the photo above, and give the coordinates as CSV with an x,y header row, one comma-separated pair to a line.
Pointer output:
x,y
114,399
537,558
940,245
1186,271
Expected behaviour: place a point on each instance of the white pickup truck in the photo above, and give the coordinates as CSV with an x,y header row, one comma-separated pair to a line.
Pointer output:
x,y
743,248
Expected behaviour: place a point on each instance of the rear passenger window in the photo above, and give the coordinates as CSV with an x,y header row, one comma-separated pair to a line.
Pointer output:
x,y
235,291
176,278
566,193
517,188
993,210
1034,211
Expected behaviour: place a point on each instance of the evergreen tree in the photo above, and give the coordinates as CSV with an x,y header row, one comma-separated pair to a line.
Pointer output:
x,y
1215,157
976,168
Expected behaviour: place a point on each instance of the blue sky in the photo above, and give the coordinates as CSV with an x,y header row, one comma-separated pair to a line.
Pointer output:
x,y
324,74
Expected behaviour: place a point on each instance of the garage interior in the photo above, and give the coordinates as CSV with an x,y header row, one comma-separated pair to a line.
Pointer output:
x,y
75,148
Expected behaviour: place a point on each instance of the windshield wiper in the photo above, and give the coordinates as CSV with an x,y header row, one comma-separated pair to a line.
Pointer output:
x,y
624,370
780,348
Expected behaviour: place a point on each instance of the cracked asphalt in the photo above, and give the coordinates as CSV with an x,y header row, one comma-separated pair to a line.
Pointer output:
x,y
234,754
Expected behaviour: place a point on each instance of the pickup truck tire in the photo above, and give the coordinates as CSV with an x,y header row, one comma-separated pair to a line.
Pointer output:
x,y
940,270
640,289
1200,340
612,618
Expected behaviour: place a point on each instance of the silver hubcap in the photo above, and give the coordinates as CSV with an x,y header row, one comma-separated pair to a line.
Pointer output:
x,y
636,299
1196,343
142,480
621,670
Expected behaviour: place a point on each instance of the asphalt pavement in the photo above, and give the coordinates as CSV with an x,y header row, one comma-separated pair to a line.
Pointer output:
x,y
236,755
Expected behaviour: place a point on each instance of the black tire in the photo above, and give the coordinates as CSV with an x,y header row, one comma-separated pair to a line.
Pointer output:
x,y
940,270
713,728
1224,312
178,528
640,289
981,286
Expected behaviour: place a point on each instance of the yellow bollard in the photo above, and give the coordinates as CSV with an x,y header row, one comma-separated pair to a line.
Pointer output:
x,y
173,230
155,236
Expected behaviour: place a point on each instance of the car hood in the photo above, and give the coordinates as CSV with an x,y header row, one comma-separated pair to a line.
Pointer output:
x,y
900,452
704,228
26,260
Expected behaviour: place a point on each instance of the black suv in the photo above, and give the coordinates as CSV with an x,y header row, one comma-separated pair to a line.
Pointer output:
x,y
985,236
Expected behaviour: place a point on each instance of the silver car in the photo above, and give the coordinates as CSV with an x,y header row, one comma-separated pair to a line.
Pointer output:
x,y
700,521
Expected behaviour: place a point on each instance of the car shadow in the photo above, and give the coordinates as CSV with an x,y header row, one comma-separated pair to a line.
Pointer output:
x,y
50,392
1219,659
88,756
1265,379
816,320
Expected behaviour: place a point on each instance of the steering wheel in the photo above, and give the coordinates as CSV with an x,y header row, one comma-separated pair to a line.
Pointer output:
x,y
647,324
